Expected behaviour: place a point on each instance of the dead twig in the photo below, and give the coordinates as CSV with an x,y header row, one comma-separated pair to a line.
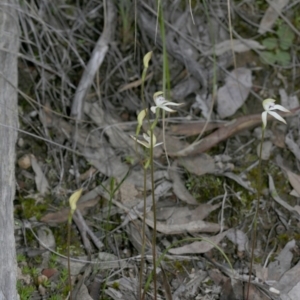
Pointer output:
x,y
95,61
224,132
85,230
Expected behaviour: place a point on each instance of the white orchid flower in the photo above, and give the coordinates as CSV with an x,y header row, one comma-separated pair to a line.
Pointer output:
x,y
269,105
147,142
162,103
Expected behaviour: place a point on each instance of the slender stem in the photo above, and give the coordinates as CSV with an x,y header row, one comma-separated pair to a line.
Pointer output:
x,y
154,216
69,264
142,295
254,233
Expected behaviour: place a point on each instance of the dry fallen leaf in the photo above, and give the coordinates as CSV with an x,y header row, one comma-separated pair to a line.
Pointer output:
x,y
41,181
199,164
282,262
190,227
278,138
135,235
241,179
234,93
183,215
289,284
288,101
179,188
199,247
163,213
294,180
83,293
237,46
276,197
292,145
238,237
128,194
271,15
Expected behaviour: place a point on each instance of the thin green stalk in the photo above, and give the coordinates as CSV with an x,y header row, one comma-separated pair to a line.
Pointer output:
x,y
154,216
73,205
142,295
146,63
68,254
166,85
254,233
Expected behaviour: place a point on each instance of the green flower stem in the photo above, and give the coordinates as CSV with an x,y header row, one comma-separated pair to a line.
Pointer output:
x,y
154,212
259,190
142,295
68,254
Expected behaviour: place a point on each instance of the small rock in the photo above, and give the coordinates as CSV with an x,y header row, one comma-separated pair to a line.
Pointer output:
x,y
24,162
49,272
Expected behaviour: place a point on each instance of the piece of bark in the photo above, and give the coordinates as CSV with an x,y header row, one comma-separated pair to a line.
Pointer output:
x,y
225,131
194,128
8,136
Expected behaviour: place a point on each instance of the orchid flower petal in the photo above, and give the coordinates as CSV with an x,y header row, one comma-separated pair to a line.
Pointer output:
x,y
172,103
269,107
146,137
267,103
153,109
154,139
162,103
277,116
169,109
264,119
147,142
158,144
279,107
155,95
